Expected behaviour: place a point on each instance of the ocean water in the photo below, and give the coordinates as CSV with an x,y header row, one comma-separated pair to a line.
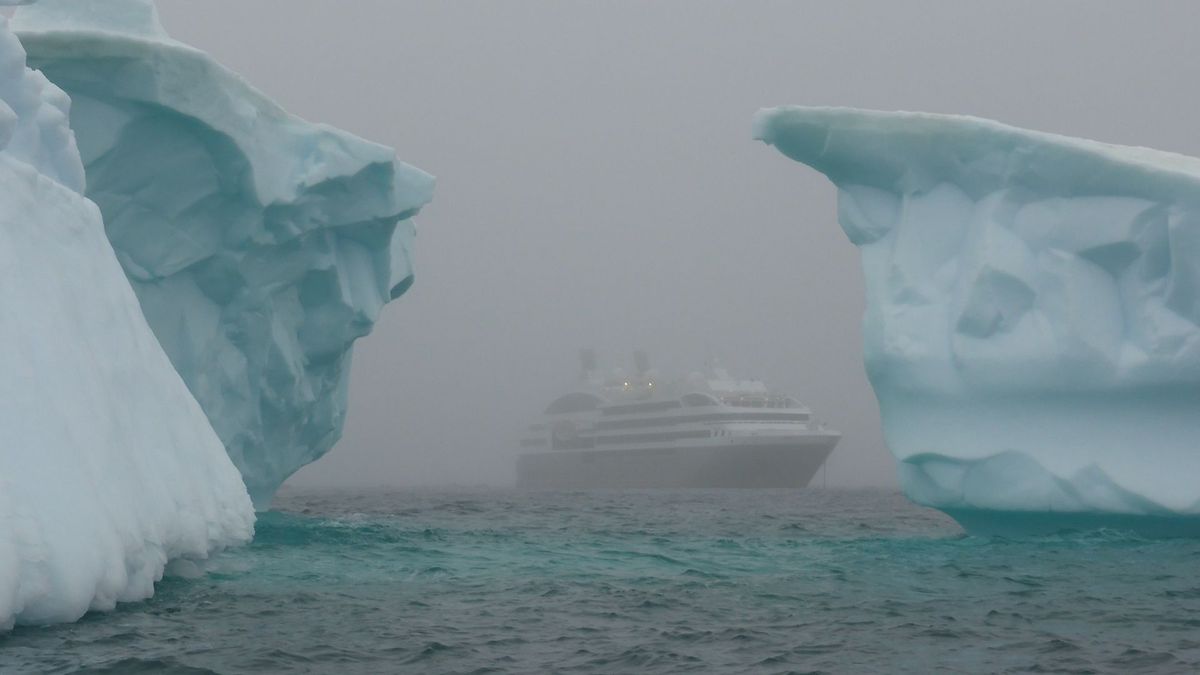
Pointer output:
x,y
799,581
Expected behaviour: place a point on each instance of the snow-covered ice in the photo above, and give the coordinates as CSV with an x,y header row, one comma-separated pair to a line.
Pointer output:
x,y
108,466
1032,329
260,246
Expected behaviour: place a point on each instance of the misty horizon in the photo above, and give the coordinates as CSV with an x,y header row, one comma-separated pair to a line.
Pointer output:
x,y
598,186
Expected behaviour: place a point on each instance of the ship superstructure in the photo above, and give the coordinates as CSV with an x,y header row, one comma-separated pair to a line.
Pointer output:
x,y
640,431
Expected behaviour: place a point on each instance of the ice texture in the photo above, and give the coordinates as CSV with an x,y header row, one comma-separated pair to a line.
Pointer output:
x,y
261,246
1032,329
108,468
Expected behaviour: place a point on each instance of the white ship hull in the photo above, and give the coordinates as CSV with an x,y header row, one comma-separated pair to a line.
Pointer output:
x,y
773,461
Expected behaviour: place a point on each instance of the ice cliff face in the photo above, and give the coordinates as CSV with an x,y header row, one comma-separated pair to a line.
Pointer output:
x,y
1033,312
108,467
260,246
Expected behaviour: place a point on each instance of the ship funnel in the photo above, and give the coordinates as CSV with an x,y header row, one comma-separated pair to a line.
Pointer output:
x,y
642,362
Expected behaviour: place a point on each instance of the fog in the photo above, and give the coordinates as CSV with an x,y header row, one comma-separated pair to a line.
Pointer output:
x,y
598,187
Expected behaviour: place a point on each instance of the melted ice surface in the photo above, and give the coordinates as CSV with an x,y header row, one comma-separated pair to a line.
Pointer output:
x,y
109,468
260,246
1033,307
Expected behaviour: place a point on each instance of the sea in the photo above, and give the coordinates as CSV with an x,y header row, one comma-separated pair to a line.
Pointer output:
x,y
765,581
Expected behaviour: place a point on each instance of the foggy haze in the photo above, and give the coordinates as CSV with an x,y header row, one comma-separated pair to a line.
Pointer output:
x,y
598,186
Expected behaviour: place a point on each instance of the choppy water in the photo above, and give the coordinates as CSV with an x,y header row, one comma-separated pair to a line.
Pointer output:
x,y
661,582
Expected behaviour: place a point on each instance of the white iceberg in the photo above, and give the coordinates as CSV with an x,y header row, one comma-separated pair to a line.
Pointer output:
x,y
108,468
260,246
1032,329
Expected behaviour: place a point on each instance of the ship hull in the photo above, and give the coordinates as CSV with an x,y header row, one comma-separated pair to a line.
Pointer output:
x,y
752,462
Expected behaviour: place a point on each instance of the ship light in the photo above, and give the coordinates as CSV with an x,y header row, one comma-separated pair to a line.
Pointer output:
x,y
650,384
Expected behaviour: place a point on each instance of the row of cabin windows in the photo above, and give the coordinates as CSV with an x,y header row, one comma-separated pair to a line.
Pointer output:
x,y
583,402
589,442
654,438
761,402
633,408
711,417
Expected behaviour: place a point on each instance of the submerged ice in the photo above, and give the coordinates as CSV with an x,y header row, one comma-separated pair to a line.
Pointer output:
x,y
108,467
1032,329
260,246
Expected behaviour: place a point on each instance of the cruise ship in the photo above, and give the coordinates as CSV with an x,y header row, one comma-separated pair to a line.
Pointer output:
x,y
705,431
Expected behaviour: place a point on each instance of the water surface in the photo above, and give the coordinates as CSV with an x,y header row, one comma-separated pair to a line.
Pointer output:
x,y
786,581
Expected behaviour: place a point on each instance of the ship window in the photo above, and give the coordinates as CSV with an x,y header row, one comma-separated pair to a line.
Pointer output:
x,y
575,402
638,408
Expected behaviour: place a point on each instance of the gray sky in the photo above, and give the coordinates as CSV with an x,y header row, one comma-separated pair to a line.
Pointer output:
x,y
598,185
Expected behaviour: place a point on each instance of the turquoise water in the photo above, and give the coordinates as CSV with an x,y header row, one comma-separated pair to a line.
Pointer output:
x,y
658,582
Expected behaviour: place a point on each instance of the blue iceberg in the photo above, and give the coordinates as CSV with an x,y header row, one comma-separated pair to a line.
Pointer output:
x,y
108,467
259,245
1032,330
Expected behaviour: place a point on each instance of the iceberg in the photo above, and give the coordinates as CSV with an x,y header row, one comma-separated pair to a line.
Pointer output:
x,y
259,245
1032,330
109,468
